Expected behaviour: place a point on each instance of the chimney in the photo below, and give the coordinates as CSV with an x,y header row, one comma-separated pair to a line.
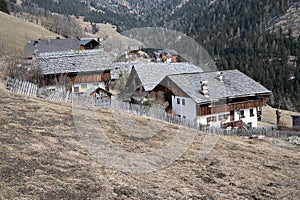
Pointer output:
x,y
221,76
204,88
49,40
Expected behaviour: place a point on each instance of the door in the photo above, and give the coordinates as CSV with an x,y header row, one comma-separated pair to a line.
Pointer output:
x,y
231,115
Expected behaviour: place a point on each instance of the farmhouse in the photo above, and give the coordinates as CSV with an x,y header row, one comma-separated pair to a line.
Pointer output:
x,y
146,76
79,70
218,99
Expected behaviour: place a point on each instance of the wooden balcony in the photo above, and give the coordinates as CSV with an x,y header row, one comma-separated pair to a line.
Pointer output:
x,y
213,109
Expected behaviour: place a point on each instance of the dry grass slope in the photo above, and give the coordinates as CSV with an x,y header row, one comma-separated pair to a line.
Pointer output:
x,y
42,157
15,33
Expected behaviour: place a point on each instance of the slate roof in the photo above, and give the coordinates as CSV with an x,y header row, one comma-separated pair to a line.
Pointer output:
x,y
235,84
117,67
85,41
51,45
76,61
151,74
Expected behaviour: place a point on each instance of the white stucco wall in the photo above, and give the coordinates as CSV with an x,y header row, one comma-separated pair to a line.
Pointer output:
x,y
188,110
203,119
89,85
247,118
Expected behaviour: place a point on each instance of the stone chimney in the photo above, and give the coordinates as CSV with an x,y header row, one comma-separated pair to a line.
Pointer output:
x,y
204,88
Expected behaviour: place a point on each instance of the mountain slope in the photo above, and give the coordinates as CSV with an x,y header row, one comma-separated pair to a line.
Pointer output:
x,y
234,33
15,33
290,21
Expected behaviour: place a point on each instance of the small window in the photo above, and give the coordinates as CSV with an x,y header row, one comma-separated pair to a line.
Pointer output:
x,y
251,112
76,89
184,117
83,87
179,116
249,125
95,84
208,120
178,101
183,101
214,118
242,114
222,117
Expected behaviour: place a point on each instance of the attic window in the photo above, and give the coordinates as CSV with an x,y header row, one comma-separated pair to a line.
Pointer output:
x,y
178,101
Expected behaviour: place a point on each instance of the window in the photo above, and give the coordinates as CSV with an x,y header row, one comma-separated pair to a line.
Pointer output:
x,y
76,89
208,120
242,114
184,117
84,87
183,101
249,125
222,117
95,84
214,118
251,112
179,116
178,101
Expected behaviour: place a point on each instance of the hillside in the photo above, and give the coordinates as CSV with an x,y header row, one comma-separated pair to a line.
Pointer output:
x,y
15,33
236,33
42,157
288,22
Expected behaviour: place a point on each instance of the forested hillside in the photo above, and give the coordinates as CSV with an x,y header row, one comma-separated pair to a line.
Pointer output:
x,y
235,32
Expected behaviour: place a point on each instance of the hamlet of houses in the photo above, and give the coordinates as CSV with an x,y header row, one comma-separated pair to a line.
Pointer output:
x,y
218,99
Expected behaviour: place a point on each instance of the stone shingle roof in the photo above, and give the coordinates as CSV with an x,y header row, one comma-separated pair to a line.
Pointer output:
x,y
235,83
76,61
151,74
51,45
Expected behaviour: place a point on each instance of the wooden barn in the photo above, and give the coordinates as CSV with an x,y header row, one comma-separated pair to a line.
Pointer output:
x,y
75,71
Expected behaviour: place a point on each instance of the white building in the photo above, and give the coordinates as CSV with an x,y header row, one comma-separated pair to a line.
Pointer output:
x,y
218,99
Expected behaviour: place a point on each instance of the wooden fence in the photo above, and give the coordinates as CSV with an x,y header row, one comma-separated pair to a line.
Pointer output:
x,y
21,87
60,95
159,113
30,89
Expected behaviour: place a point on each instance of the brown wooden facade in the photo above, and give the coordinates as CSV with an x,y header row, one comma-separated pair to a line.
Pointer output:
x,y
84,77
89,77
209,109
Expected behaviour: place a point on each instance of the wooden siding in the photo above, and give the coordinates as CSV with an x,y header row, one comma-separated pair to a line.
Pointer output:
x,y
211,109
133,81
89,78
169,86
